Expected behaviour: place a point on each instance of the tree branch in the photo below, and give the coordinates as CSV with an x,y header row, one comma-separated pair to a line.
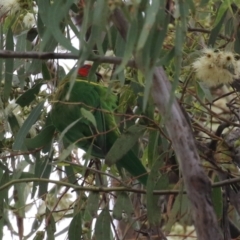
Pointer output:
x,y
81,188
197,184
107,189
202,30
53,55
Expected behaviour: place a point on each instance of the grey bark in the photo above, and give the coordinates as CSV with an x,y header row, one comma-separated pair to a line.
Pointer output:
x,y
197,184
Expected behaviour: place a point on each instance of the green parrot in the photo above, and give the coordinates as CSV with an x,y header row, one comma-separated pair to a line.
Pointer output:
x,y
87,96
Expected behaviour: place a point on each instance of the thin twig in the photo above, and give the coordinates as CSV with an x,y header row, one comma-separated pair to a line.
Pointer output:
x,y
202,30
109,189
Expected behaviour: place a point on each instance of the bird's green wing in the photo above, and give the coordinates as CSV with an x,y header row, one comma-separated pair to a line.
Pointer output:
x,y
99,102
66,112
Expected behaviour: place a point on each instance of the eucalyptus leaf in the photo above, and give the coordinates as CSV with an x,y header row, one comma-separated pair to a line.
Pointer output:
x,y
124,143
222,11
217,199
75,228
32,118
43,138
149,22
39,235
93,203
89,116
102,227
13,124
42,170
56,13
50,225
9,63
26,98
156,181
123,205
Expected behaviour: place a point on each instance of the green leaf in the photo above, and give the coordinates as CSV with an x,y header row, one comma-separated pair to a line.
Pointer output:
x,y
183,10
32,118
151,14
42,139
43,169
51,226
102,227
123,204
26,98
8,66
148,85
2,208
117,210
223,7
21,77
89,116
13,122
93,203
20,47
203,3
153,147
229,27
192,6
66,152
70,172
86,49
131,40
237,42
156,181
185,211
4,193
56,14
2,221
35,225
45,72
36,171
43,7
217,200
27,175
20,198
160,31
120,45
34,67
3,166
203,91
100,13
39,235
173,217
75,228
67,128
179,41
49,43
124,143
219,23
167,57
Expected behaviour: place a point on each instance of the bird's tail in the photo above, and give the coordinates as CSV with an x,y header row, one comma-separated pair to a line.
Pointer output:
x,y
134,166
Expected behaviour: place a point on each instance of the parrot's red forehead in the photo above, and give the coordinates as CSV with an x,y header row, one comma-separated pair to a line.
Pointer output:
x,y
84,70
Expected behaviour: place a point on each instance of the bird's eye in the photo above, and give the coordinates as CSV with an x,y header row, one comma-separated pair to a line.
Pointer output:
x,y
237,57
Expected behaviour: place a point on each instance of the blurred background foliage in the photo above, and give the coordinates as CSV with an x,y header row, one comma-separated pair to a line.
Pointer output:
x,y
49,190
